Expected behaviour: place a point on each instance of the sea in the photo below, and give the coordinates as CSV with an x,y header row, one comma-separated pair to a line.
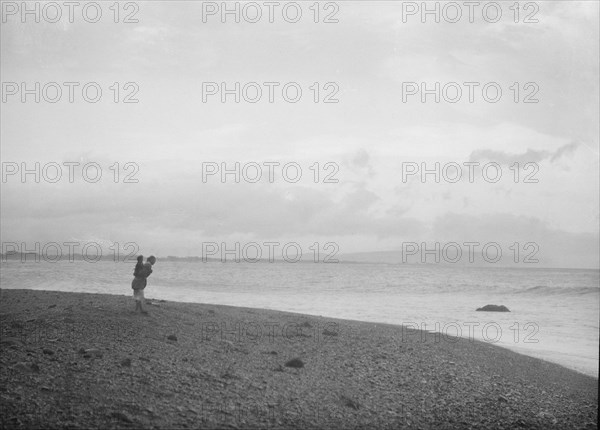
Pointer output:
x,y
554,313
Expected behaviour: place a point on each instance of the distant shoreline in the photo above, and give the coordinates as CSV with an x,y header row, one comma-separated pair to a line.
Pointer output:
x,y
86,360
33,258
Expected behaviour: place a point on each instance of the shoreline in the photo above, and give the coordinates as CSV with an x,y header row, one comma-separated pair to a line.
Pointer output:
x,y
581,367
200,365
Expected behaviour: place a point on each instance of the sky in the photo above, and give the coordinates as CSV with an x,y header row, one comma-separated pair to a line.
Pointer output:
x,y
373,61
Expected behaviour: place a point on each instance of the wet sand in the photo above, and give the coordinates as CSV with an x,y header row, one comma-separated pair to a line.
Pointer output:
x,y
75,360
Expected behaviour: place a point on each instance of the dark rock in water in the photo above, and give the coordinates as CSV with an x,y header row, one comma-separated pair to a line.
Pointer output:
x,y
172,337
493,308
295,362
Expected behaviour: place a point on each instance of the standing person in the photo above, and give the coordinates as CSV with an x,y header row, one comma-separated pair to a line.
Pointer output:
x,y
141,273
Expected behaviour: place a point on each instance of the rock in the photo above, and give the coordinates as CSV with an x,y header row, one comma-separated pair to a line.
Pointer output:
x,y
493,308
295,363
92,352
51,306
172,337
549,416
350,403
121,416
9,341
27,367
126,362
48,351
23,367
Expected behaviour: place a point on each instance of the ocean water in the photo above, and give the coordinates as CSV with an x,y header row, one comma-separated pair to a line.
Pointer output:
x,y
554,312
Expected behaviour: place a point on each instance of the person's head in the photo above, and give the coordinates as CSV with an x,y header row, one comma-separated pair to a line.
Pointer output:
x,y
140,259
152,259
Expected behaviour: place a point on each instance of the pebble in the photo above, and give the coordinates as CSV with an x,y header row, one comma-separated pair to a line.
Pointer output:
x,y
121,416
9,341
27,367
92,352
295,362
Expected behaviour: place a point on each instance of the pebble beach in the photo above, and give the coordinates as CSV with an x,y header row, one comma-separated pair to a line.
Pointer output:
x,y
77,360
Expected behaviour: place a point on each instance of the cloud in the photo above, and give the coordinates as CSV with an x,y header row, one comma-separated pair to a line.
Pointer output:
x,y
530,156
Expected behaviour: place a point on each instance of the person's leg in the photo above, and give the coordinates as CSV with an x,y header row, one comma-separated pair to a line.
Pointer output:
x,y
143,302
136,296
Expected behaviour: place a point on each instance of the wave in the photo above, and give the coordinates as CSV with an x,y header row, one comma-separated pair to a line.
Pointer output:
x,y
571,291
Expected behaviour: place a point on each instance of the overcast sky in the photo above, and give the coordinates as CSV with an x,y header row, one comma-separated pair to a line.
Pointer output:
x,y
368,134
